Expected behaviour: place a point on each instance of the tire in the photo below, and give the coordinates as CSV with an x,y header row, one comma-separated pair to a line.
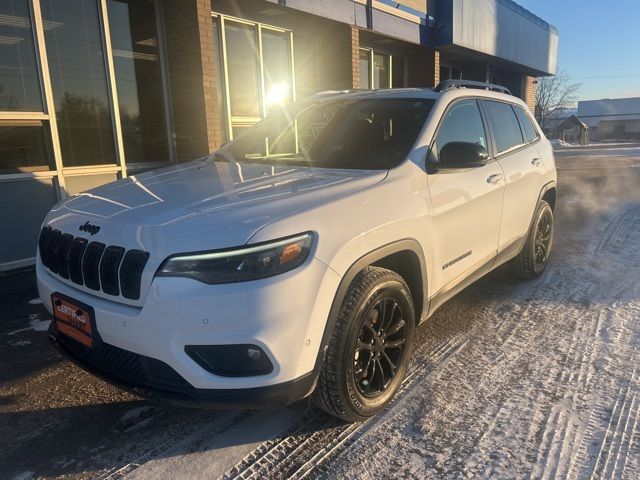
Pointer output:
x,y
377,299
529,265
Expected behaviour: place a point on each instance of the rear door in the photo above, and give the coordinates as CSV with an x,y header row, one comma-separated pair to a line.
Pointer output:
x,y
467,202
514,138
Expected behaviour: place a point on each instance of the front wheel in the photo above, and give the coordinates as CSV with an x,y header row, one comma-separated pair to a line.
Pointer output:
x,y
532,261
370,347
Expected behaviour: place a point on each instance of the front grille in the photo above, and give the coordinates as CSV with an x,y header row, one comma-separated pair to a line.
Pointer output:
x,y
99,267
131,273
126,365
109,269
60,254
90,264
74,259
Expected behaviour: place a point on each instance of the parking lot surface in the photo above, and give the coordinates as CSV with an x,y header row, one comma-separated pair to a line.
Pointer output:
x,y
512,380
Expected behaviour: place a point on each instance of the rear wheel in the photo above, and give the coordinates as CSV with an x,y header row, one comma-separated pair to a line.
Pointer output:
x,y
370,347
532,261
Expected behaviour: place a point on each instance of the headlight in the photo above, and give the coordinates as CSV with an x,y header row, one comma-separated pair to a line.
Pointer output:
x,y
240,264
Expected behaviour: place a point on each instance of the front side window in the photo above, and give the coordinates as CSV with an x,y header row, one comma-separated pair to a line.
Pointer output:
x,y
358,134
504,125
528,130
461,123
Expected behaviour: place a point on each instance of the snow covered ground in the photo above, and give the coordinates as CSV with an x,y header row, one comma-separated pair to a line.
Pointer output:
x,y
508,380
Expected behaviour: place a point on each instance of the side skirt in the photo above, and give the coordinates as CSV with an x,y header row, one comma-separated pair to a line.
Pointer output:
x,y
452,289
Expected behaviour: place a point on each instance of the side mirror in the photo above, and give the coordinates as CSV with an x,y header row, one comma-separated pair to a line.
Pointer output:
x,y
463,155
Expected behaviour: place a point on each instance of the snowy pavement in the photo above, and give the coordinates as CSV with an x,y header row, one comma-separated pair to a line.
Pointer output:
x,y
508,380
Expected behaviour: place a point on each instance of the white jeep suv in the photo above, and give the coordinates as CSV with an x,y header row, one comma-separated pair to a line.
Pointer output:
x,y
299,258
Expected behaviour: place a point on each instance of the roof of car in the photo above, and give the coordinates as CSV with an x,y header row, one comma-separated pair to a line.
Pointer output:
x,y
416,93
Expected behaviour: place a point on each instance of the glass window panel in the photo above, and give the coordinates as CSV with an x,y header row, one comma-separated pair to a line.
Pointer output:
x,y
79,81
277,68
529,131
380,70
81,183
19,83
23,149
243,70
365,69
461,123
238,129
361,134
136,56
398,79
504,125
219,80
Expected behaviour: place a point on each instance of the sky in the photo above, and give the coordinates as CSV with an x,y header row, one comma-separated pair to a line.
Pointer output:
x,y
599,43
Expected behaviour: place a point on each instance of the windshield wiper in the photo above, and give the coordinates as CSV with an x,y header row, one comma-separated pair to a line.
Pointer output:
x,y
278,157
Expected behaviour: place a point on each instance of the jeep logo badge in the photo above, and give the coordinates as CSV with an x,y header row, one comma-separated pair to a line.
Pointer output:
x,y
87,227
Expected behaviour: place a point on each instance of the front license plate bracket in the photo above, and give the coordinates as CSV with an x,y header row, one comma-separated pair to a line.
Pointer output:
x,y
75,320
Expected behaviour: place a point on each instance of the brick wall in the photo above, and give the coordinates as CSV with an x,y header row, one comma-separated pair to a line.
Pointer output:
x,y
191,49
528,91
424,68
355,57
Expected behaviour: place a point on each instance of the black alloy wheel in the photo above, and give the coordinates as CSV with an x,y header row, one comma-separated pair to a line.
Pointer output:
x,y
533,259
543,239
380,347
368,354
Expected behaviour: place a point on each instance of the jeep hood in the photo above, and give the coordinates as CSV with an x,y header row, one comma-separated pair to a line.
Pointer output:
x,y
201,205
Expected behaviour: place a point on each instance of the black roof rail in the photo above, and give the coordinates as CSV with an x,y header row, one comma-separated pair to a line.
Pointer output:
x,y
450,84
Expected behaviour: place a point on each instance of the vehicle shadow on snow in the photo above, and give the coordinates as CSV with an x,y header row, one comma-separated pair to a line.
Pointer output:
x,y
100,439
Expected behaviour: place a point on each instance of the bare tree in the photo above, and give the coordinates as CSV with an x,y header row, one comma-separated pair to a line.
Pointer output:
x,y
554,93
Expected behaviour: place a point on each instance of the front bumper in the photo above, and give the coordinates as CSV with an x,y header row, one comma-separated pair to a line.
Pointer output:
x,y
284,315
155,380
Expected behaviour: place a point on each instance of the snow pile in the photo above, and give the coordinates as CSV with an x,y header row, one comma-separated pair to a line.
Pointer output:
x,y
557,143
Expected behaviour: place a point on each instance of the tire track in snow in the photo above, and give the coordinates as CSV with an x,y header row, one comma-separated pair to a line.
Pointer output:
x,y
541,429
310,442
586,338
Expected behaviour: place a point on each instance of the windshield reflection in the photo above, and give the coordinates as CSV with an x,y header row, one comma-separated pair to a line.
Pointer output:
x,y
348,133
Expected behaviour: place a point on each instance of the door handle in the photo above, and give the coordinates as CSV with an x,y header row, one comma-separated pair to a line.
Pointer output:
x,y
536,162
493,179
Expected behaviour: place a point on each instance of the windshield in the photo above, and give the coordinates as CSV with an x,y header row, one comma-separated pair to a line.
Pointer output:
x,y
372,134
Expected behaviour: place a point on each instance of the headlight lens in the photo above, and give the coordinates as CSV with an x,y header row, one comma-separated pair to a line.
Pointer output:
x,y
240,264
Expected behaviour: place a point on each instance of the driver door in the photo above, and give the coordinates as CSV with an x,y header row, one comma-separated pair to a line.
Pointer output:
x,y
466,200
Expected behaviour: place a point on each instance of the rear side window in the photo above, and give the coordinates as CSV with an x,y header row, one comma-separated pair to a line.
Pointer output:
x,y
528,130
504,125
461,123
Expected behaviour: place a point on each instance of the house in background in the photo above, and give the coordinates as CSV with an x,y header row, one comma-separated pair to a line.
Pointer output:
x,y
611,119
96,90
563,124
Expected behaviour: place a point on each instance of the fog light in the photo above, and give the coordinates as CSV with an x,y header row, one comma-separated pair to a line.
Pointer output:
x,y
231,360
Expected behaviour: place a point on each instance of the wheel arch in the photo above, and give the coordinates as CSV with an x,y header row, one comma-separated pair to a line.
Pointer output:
x,y
404,257
550,193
